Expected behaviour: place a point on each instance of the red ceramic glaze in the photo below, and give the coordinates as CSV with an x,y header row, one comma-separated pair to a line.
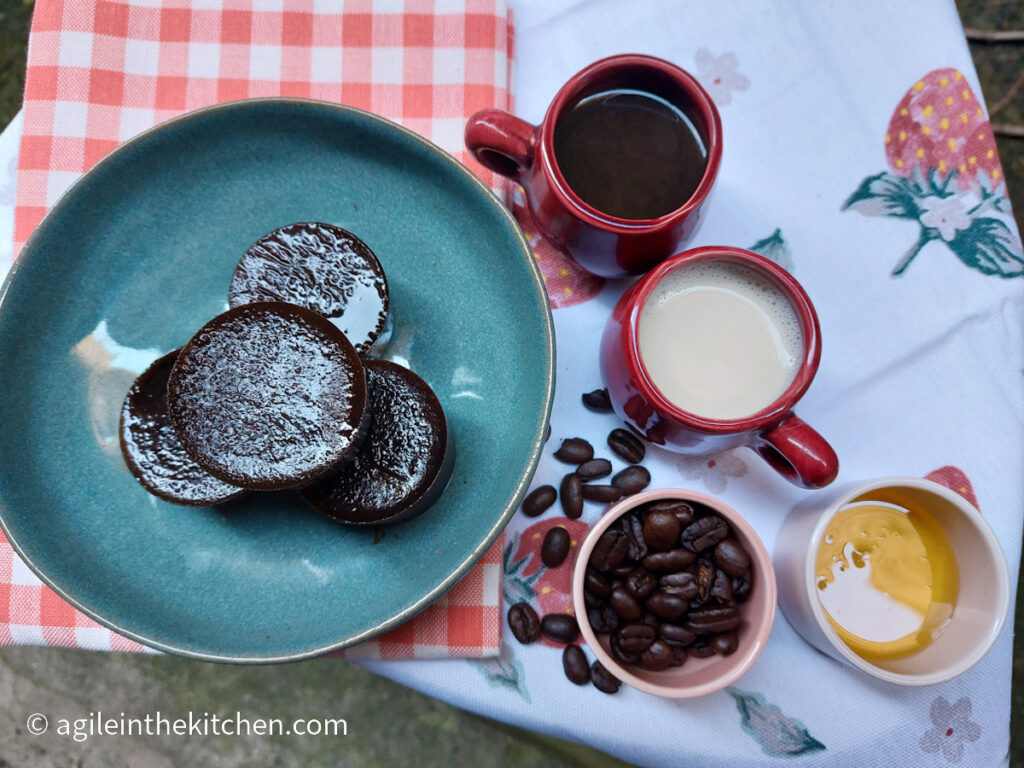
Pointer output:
x,y
789,445
603,245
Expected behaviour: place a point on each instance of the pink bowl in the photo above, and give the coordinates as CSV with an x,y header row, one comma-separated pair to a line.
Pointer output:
x,y
696,677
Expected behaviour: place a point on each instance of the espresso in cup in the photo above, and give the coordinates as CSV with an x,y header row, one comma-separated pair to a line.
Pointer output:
x,y
719,340
630,154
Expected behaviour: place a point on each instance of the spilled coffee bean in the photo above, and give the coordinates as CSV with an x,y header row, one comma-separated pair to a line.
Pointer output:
x,y
626,446
572,496
664,583
575,450
560,627
605,494
632,479
604,680
539,500
524,623
555,547
575,664
598,400
593,469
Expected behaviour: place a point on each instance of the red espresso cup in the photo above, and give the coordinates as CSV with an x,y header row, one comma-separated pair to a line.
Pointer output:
x,y
602,244
788,444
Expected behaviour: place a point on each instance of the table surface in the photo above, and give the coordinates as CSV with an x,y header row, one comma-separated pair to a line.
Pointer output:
x,y
389,723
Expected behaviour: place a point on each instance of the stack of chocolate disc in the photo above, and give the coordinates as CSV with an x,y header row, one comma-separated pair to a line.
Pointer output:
x,y
273,393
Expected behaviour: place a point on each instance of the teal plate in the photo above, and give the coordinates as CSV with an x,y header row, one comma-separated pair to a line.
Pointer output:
x,y
138,255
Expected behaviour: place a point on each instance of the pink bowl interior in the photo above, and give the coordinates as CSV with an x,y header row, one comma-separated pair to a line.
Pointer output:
x,y
696,677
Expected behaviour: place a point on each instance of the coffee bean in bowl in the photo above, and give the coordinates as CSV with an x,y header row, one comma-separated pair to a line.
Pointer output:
x,y
675,593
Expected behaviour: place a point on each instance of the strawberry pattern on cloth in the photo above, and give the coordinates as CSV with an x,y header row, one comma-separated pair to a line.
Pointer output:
x,y
944,172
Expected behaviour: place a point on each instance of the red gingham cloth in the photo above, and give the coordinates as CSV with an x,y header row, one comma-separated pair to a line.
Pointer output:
x,y
99,72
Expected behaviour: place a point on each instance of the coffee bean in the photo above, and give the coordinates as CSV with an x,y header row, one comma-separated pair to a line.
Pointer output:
x,y
717,618
705,579
621,573
539,500
572,496
632,479
725,643
524,623
611,619
682,583
669,562
679,655
731,557
555,547
633,527
721,590
741,586
575,450
636,637
673,634
605,494
596,583
619,654
627,606
575,664
596,618
661,530
640,583
560,627
650,618
591,600
658,656
604,680
701,649
598,400
683,510
626,446
610,550
703,533
593,469
666,606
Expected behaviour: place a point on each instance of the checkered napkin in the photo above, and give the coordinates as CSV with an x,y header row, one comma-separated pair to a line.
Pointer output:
x,y
99,72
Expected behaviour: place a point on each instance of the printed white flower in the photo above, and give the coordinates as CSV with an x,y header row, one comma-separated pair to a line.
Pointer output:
x,y
953,727
946,214
713,470
718,75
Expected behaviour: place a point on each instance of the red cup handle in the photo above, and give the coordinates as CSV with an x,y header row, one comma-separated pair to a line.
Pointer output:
x,y
501,142
798,453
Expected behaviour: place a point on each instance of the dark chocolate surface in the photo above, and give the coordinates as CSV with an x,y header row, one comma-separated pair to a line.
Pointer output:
x,y
320,267
152,450
267,396
404,463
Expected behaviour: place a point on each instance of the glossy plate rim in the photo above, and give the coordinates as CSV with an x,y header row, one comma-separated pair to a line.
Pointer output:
x,y
514,500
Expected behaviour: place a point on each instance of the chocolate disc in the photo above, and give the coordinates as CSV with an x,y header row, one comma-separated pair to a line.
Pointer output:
x,y
404,463
267,396
152,450
320,267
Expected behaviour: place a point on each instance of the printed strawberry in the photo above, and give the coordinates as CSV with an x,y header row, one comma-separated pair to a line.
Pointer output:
x,y
549,590
954,479
567,283
940,124
945,175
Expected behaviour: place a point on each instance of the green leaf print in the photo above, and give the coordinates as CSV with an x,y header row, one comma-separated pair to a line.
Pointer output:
x,y
504,672
885,195
989,246
778,735
774,247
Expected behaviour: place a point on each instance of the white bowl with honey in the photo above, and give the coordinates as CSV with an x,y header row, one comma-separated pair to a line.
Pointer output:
x,y
899,577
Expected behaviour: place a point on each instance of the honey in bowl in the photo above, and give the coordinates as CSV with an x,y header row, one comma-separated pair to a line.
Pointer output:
x,y
887,579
